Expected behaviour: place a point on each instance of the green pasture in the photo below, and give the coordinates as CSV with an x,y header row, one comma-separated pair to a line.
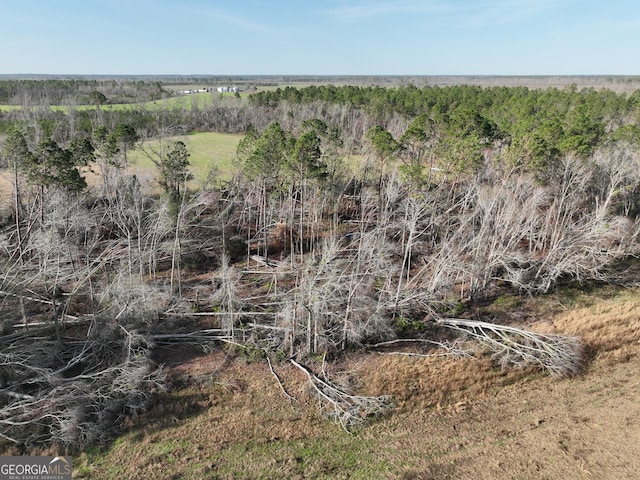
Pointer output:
x,y
199,100
8,108
206,151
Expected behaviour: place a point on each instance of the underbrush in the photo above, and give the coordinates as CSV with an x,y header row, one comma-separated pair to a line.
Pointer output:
x,y
237,423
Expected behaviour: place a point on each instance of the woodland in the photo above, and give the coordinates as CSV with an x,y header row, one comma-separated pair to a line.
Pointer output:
x,y
356,219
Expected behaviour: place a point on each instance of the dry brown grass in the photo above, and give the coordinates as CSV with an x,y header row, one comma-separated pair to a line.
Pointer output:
x,y
455,419
237,389
439,383
610,329
5,192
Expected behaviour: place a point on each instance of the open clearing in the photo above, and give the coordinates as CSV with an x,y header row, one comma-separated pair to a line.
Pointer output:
x,y
454,419
206,150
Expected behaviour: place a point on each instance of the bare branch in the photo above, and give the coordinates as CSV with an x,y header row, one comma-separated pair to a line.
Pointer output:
x,y
514,347
347,410
290,397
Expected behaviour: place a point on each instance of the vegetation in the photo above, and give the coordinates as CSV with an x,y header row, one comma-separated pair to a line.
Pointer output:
x,y
47,92
452,417
462,195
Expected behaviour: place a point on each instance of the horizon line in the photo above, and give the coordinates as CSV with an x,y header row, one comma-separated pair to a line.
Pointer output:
x,y
321,75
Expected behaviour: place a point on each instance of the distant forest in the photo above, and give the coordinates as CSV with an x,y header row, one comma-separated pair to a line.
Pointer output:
x,y
523,125
43,93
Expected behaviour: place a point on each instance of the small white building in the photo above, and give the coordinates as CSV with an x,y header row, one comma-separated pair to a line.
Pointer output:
x,y
227,89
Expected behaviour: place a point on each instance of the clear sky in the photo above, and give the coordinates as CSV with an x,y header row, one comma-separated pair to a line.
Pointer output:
x,y
321,37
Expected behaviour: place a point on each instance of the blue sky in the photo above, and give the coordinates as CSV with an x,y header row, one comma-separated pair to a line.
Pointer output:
x,y
321,37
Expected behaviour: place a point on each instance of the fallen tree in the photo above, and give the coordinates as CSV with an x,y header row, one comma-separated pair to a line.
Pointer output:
x,y
77,393
511,347
346,409
341,279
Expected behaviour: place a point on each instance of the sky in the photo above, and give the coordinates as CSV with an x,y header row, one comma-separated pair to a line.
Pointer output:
x,y
320,37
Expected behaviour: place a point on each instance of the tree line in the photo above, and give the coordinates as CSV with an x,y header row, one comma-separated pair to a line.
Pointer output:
x,y
531,127
50,92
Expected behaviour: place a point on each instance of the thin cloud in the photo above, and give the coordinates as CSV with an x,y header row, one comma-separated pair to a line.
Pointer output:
x,y
22,42
459,13
366,11
625,25
234,20
502,12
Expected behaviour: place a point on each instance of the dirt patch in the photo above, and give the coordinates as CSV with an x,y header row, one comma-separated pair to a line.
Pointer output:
x,y
579,428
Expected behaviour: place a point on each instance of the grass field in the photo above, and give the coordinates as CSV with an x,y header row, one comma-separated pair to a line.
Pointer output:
x,y
8,108
206,150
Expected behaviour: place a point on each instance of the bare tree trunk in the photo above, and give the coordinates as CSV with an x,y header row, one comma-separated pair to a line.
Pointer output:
x,y
17,206
263,220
